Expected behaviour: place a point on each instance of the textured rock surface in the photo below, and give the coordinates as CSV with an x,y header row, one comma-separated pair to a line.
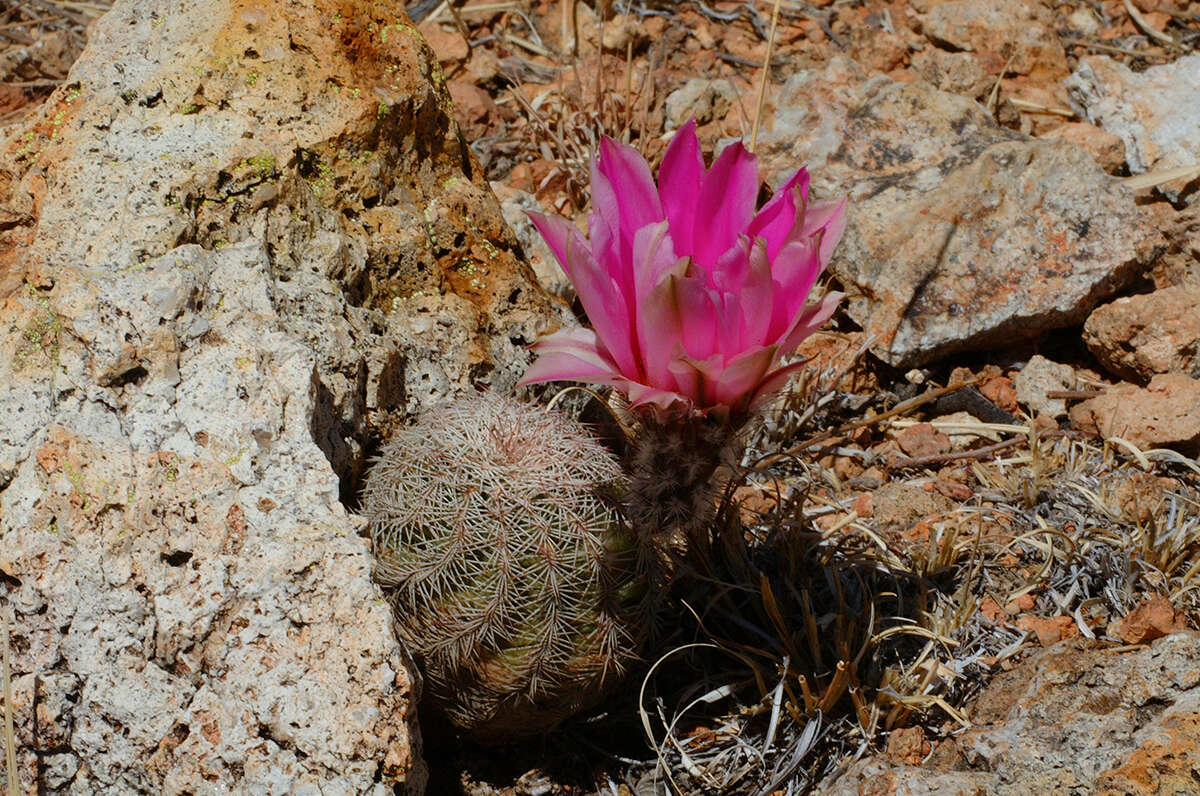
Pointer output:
x,y
235,232
1070,720
1107,148
962,235
1161,414
1025,29
1039,377
1155,112
1138,336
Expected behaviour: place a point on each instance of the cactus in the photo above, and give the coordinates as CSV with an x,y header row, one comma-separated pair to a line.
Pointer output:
x,y
514,579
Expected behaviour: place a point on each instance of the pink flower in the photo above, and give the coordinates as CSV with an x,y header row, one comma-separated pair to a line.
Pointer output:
x,y
694,296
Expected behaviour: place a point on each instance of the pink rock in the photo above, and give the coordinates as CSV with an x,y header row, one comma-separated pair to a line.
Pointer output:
x,y
1138,336
1162,414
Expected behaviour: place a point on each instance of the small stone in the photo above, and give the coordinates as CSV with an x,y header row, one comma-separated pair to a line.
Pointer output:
x,y
907,745
957,72
1153,618
1138,336
448,45
622,31
1107,149
706,100
1049,630
1162,414
1039,377
1015,33
1084,21
922,440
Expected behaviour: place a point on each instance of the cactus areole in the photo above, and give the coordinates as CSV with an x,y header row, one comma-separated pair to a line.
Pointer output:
x,y
514,580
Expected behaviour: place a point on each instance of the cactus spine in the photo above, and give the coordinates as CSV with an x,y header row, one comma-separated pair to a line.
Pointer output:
x,y
513,577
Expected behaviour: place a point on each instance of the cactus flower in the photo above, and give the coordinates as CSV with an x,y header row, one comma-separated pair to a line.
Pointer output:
x,y
694,295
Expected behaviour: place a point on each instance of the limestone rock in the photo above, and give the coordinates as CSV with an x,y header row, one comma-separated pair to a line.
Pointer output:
x,y
234,235
702,98
1106,148
1155,112
1039,377
1161,414
961,235
1025,30
1072,719
1138,336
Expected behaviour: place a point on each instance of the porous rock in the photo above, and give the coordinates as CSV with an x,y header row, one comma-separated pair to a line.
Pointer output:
x,y
1138,336
234,232
1155,112
1038,378
1074,718
702,98
961,235
1016,36
1161,414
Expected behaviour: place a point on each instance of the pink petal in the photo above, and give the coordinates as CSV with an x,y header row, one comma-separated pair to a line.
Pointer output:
x,y
623,192
725,203
756,297
774,381
666,402
740,377
659,321
570,355
604,303
688,380
827,217
777,218
679,179
698,317
795,271
555,231
809,320
698,376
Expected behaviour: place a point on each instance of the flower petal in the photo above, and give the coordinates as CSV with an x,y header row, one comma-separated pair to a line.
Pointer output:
x,y
778,217
555,230
570,355
679,179
623,192
794,270
698,317
725,203
604,303
827,217
659,315
740,377
809,320
774,381
665,402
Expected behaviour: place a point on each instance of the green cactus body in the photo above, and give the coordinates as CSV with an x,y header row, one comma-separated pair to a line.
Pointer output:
x,y
513,578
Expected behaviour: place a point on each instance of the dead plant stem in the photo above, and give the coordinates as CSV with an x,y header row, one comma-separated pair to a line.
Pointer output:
x,y
762,82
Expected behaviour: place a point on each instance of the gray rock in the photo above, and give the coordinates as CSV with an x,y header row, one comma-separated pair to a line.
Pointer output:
x,y
1155,112
705,99
238,236
1070,720
962,235
1040,376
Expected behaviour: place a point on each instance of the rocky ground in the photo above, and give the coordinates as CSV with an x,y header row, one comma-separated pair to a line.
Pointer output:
x,y
238,242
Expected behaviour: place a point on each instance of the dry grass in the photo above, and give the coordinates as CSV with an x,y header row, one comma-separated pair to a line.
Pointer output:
x,y
807,646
